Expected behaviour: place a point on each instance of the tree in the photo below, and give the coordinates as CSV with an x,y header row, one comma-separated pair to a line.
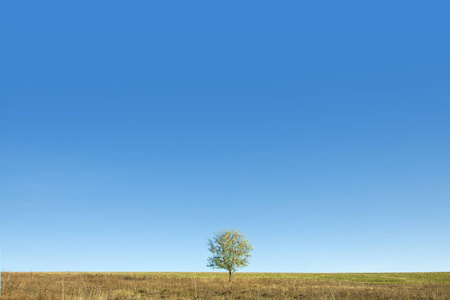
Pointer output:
x,y
230,251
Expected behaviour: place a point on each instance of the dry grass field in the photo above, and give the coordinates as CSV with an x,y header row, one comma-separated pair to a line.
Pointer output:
x,y
105,286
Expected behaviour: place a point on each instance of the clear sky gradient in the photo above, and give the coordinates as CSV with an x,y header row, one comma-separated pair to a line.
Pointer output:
x,y
131,131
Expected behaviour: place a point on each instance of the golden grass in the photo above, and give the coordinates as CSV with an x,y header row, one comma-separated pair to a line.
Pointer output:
x,y
69,286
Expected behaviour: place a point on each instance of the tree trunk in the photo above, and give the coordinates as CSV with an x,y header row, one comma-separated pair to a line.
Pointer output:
x,y
229,272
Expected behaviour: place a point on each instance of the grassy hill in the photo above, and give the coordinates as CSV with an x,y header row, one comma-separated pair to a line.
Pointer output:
x,y
84,285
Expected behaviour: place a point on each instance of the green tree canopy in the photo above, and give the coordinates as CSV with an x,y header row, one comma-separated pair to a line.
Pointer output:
x,y
230,251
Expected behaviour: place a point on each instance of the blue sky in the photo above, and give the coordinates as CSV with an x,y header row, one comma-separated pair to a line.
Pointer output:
x,y
131,132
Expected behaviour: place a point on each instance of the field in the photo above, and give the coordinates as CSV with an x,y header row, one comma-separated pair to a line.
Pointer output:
x,y
105,286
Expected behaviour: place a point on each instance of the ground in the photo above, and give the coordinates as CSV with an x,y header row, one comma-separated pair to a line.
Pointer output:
x,y
68,286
